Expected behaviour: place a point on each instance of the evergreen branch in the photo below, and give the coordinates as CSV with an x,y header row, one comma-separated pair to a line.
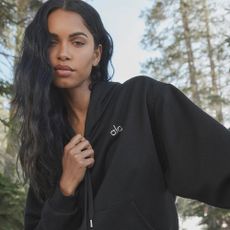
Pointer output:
x,y
4,122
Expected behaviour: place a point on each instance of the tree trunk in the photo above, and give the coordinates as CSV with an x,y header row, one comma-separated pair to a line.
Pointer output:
x,y
12,139
191,63
216,103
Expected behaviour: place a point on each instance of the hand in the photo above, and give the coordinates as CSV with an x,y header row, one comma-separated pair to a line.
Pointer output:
x,y
78,155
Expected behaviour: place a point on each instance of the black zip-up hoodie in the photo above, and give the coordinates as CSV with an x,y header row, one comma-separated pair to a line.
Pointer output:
x,y
151,143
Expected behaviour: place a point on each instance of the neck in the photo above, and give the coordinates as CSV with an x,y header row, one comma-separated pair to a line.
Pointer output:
x,y
78,102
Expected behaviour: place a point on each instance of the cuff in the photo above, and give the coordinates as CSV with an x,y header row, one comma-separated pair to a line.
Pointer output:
x,y
63,203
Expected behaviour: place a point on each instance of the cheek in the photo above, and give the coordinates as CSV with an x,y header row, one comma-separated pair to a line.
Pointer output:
x,y
84,58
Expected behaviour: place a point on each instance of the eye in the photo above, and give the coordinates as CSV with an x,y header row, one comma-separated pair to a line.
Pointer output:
x,y
52,42
78,43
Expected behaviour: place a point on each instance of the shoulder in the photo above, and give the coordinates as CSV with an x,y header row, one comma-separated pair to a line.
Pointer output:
x,y
144,85
154,90
143,82
140,79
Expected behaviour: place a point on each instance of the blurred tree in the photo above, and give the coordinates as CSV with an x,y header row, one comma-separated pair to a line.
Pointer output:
x,y
211,218
12,202
23,12
7,12
216,98
5,91
186,38
14,16
187,53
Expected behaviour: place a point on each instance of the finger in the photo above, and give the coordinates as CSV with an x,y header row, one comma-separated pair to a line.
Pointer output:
x,y
84,145
89,146
87,153
83,153
89,162
74,141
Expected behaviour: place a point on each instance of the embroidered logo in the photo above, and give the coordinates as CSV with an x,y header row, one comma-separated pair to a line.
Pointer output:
x,y
116,130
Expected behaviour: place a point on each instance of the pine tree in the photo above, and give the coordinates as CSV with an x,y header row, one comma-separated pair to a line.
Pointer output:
x,y
14,16
24,11
12,202
187,36
188,50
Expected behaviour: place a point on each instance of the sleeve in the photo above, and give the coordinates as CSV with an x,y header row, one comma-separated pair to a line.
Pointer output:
x,y
57,213
193,148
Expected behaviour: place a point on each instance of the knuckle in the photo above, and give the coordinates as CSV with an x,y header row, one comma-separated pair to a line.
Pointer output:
x,y
87,142
71,151
78,135
91,160
77,157
89,151
81,162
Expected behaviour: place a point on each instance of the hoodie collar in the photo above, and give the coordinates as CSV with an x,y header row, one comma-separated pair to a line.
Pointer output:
x,y
100,96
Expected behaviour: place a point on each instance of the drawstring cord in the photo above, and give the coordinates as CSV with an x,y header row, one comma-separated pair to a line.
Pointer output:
x,y
88,200
90,196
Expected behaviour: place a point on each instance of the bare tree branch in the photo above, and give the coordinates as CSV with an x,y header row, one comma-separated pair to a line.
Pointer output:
x,y
7,55
5,122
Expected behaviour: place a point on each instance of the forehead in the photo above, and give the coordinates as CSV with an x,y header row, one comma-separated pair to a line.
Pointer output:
x,y
62,22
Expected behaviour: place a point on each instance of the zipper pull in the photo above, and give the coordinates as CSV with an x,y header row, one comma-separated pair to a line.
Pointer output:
x,y
91,223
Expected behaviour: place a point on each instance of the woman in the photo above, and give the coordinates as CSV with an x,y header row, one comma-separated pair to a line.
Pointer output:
x,y
101,154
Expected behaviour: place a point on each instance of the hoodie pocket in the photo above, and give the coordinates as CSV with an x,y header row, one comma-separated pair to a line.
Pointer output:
x,y
122,216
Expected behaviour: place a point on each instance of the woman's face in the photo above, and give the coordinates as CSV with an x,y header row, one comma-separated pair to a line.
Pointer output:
x,y
72,53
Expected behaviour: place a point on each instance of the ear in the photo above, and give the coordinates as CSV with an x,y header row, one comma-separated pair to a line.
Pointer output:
x,y
97,55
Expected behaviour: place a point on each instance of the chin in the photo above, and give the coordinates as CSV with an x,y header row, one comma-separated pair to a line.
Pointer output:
x,y
67,84
62,84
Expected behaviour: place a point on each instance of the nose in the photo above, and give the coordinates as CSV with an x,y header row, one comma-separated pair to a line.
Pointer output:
x,y
63,53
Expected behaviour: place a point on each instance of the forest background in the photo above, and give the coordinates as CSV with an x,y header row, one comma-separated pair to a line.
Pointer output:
x,y
189,43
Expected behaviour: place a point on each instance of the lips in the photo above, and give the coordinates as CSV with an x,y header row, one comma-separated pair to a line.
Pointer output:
x,y
63,70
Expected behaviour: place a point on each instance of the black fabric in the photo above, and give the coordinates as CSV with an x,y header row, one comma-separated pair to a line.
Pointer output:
x,y
151,143
63,203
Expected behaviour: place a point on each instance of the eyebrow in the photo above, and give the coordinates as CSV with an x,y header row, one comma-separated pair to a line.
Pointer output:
x,y
71,35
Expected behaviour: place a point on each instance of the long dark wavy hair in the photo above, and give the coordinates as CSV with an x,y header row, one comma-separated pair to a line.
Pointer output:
x,y
39,106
